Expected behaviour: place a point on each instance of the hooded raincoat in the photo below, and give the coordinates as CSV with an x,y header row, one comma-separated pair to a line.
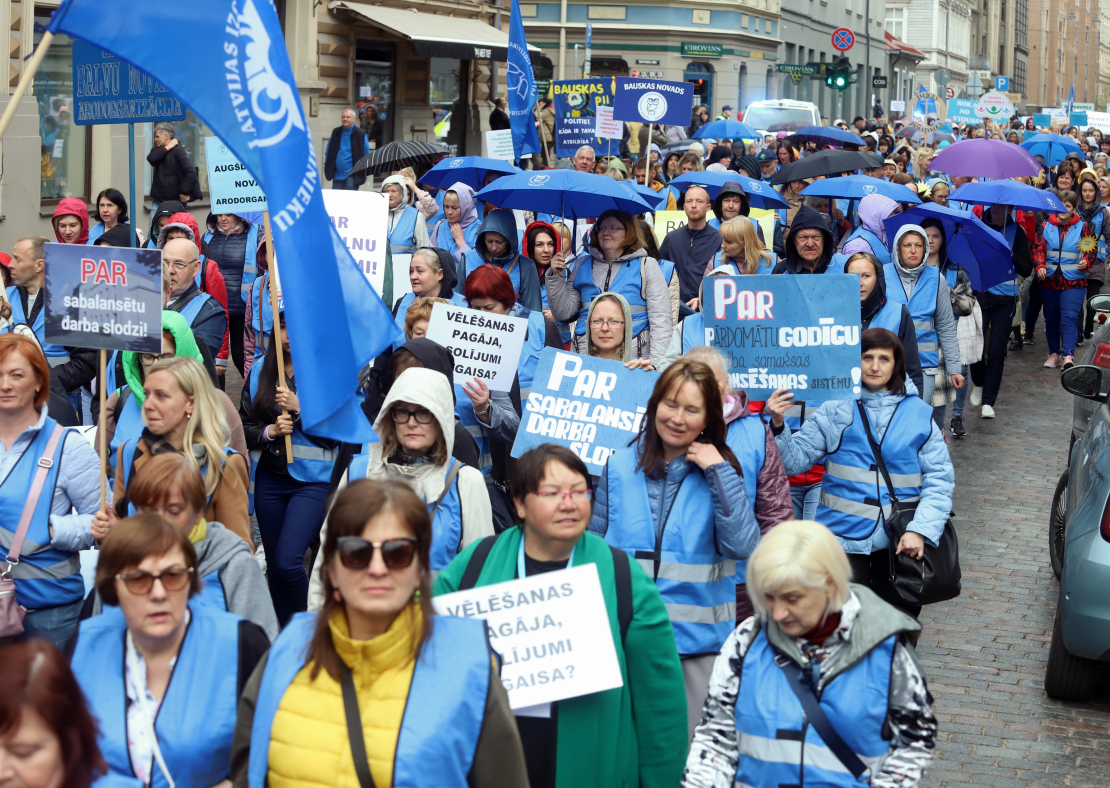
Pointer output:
x,y
521,270
872,210
72,206
399,220
806,218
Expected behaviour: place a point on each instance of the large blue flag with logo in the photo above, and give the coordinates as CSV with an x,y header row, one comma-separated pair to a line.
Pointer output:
x,y
239,82
521,83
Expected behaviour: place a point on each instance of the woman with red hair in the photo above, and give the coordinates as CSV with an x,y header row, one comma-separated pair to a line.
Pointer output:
x,y
47,735
494,417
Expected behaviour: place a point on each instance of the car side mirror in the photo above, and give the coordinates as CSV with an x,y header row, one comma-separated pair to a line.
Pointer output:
x,y
1100,303
1084,381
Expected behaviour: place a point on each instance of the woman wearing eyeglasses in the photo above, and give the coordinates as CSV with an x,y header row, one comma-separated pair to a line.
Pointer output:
x,y
676,498
416,426
610,335
289,497
123,411
632,735
422,690
162,672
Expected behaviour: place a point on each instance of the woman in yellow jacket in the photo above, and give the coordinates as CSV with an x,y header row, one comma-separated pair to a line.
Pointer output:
x,y
374,689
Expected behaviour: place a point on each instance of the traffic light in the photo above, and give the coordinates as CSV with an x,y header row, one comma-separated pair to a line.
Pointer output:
x,y
841,75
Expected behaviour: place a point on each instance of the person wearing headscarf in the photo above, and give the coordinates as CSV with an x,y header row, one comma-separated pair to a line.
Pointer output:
x,y
407,227
458,232
71,221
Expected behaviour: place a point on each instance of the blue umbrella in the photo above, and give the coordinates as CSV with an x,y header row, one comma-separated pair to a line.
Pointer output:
x,y
727,129
567,193
648,194
761,195
982,252
1012,193
856,187
470,170
1054,147
824,135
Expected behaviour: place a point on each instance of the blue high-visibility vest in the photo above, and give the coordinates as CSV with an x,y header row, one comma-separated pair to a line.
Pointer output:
x,y
534,342
626,280
55,354
128,459
443,716
889,317
774,736
311,461
766,265
196,719
403,307
262,319
692,331
250,267
698,584
747,437
923,306
444,239
401,238
878,249
129,423
853,492
1010,286
447,523
1062,255
45,576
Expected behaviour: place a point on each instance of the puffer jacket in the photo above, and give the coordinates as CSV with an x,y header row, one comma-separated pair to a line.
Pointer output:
x,y
821,434
429,389
872,210
943,319
233,254
735,526
566,300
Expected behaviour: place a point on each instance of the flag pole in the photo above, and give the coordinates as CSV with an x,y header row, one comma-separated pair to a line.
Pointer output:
x,y
25,80
271,262
103,433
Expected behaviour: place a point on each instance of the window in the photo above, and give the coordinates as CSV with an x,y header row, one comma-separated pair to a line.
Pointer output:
x,y
744,21
893,20
1019,76
1087,34
1021,24
64,163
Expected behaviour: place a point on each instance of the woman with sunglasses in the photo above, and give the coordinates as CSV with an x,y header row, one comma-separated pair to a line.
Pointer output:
x,y
289,496
632,735
376,652
123,411
416,427
162,671
677,494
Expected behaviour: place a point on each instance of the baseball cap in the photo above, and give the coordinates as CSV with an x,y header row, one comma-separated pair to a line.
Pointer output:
x,y
767,155
891,162
726,106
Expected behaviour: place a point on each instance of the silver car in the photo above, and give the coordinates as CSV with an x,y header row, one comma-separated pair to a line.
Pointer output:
x,y
1081,634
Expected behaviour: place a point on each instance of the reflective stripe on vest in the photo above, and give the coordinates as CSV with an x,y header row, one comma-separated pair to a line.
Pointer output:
x,y
698,585
922,305
773,734
196,719
45,576
1009,287
747,437
1062,255
853,493
402,237
312,463
625,279
450,682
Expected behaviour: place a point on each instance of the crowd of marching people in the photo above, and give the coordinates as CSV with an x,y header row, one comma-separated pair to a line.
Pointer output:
x,y
261,610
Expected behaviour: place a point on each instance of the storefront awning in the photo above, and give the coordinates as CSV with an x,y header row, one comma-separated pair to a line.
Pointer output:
x,y
433,35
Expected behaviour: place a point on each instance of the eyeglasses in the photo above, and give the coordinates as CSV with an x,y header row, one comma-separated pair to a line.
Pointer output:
x,y
401,415
149,359
357,553
554,496
141,581
610,230
599,323
179,266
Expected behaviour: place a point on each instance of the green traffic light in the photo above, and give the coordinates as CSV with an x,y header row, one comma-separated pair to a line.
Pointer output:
x,y
840,81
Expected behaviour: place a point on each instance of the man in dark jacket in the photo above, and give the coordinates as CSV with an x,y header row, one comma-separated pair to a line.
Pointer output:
x,y
175,177
691,247
497,245
347,145
498,117
809,245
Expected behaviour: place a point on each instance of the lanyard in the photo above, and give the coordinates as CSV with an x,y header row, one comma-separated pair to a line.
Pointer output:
x,y
520,570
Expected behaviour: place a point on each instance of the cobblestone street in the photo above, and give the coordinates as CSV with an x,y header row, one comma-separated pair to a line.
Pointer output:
x,y
985,652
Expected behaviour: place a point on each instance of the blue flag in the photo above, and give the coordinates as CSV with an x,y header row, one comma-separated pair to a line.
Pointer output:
x,y
521,84
240,83
1071,102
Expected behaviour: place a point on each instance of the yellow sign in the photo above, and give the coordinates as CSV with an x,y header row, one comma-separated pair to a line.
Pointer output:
x,y
1088,244
666,221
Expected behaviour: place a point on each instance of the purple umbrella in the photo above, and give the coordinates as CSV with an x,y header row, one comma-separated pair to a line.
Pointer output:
x,y
982,158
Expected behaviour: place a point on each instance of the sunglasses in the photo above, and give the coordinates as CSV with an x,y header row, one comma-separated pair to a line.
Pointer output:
x,y
141,581
357,553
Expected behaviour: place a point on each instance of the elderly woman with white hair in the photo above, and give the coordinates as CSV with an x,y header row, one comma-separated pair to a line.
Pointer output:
x,y
824,671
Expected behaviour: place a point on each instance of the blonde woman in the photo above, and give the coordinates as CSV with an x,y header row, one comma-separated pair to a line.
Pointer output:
x,y
742,250
182,413
811,622
922,158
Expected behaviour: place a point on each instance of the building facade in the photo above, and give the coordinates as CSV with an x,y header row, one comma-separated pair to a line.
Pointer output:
x,y
1065,51
1001,45
941,30
727,49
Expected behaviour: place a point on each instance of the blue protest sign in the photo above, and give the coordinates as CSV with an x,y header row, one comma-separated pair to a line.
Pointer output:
x,y
963,111
109,90
794,332
233,189
576,102
104,297
653,101
590,405
1041,120
1078,119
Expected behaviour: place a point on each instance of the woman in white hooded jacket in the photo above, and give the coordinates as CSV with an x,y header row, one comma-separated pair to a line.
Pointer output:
x,y
418,452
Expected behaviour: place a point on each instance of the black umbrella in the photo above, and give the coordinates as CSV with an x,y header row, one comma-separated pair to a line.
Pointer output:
x,y
826,162
398,155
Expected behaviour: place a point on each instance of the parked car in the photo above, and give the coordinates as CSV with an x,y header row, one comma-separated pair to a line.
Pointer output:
x,y
1080,646
772,116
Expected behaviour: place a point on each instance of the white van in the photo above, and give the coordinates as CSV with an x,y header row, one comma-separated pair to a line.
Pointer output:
x,y
777,115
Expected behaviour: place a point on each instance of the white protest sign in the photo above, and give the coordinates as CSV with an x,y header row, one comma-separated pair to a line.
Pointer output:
x,y
499,144
994,105
401,284
897,106
551,630
232,188
483,345
361,219
607,128
1100,120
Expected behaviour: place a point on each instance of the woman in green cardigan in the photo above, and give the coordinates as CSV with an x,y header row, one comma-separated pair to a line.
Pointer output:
x,y
635,735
